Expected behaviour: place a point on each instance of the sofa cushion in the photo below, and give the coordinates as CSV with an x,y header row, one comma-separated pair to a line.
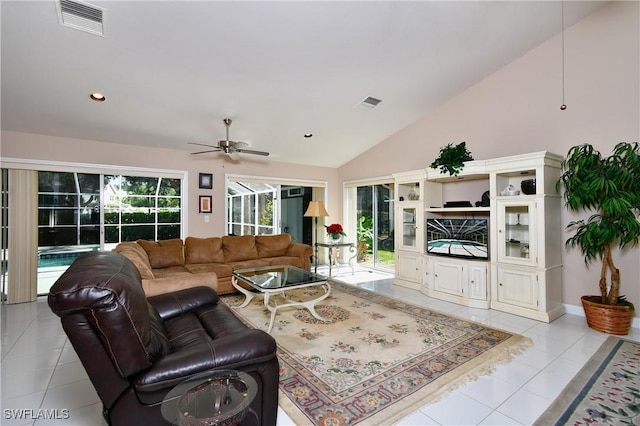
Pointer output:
x,y
178,282
136,254
250,263
220,269
272,245
171,271
203,250
163,253
239,248
284,260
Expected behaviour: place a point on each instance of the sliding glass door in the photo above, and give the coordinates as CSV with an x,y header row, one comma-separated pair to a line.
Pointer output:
x,y
76,212
81,212
374,222
257,208
252,208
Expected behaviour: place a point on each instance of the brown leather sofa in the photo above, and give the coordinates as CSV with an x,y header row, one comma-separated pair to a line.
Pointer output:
x,y
136,349
170,265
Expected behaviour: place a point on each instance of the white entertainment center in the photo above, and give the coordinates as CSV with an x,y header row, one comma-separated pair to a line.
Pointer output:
x,y
522,272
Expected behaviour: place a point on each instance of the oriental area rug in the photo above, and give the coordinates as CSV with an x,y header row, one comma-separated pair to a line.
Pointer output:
x,y
606,391
376,360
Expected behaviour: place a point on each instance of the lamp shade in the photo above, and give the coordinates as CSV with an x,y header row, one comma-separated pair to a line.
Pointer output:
x,y
316,209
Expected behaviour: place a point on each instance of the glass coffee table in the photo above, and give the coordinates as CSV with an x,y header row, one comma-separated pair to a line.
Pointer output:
x,y
270,281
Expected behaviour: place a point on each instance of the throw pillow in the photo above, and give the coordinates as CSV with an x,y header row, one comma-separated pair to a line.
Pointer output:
x,y
203,250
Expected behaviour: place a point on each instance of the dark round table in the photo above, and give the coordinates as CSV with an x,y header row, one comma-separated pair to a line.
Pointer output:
x,y
214,397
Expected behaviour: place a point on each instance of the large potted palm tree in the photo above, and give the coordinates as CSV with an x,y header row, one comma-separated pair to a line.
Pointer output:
x,y
608,188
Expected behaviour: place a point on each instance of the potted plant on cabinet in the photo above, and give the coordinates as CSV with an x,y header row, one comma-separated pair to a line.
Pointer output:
x,y
609,189
451,158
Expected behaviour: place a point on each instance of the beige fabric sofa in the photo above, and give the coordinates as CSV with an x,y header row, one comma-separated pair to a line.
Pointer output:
x,y
169,265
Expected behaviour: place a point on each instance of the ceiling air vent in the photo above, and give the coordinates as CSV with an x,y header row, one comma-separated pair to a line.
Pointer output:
x,y
368,104
81,16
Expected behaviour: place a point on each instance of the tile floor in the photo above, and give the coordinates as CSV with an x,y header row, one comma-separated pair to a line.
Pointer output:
x,y
39,369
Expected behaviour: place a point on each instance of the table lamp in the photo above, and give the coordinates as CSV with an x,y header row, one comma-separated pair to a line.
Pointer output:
x,y
316,209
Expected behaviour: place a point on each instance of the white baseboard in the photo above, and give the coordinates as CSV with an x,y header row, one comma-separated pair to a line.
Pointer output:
x,y
577,310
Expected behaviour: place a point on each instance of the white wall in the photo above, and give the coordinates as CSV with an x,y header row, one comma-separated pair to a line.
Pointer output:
x,y
516,110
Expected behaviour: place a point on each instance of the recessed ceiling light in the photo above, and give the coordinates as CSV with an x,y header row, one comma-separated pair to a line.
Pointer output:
x,y
98,97
308,135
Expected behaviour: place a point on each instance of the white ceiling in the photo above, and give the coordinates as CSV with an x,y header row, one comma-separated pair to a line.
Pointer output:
x,y
172,70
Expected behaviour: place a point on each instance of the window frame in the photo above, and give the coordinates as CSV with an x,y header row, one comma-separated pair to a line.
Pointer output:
x,y
106,169
319,188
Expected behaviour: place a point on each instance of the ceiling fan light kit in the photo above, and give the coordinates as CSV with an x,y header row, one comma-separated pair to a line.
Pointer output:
x,y
229,147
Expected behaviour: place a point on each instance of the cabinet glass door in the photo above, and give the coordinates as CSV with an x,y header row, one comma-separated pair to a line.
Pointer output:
x,y
409,226
516,234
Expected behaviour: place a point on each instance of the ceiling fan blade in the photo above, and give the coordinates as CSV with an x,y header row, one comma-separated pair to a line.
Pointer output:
x,y
251,151
202,144
233,155
207,151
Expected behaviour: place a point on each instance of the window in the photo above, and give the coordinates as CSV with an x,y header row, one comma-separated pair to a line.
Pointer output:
x,y
251,208
265,206
68,209
80,212
146,208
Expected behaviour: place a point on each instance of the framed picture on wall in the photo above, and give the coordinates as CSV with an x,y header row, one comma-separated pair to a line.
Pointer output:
x,y
205,204
205,181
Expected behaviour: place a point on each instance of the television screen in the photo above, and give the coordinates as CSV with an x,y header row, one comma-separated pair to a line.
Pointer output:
x,y
457,237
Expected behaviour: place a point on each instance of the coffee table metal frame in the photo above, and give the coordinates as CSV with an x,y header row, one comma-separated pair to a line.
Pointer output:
x,y
274,280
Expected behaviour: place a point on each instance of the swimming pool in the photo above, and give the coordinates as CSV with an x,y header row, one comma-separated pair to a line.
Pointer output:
x,y
52,257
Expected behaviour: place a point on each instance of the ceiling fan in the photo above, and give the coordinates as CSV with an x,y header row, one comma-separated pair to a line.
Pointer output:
x,y
229,147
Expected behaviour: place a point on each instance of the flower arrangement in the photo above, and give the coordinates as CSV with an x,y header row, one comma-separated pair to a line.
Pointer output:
x,y
335,231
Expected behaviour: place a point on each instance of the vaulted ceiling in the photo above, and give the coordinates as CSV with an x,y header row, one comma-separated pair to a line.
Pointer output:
x,y
173,70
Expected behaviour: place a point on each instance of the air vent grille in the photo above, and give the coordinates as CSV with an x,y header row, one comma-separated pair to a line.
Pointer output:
x,y
368,104
81,16
372,101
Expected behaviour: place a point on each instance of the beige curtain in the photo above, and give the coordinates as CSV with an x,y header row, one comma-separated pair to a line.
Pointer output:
x,y
23,236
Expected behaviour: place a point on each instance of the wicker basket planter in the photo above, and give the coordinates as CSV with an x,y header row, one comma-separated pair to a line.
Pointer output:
x,y
612,319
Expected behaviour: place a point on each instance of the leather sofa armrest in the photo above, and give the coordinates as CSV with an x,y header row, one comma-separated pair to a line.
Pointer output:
x,y
233,351
170,305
